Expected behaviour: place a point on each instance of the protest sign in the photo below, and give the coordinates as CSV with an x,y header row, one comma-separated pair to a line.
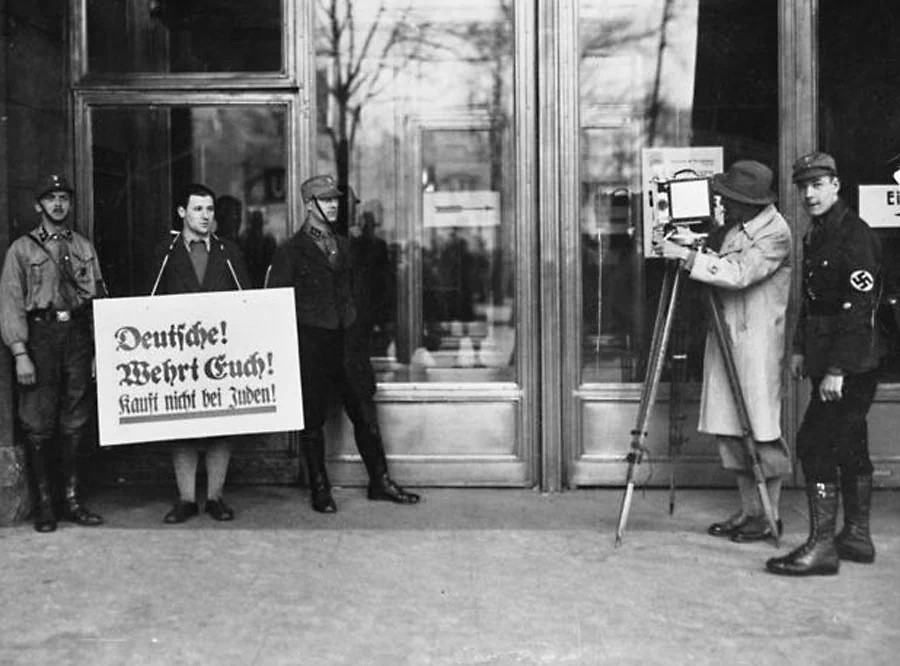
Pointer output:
x,y
197,365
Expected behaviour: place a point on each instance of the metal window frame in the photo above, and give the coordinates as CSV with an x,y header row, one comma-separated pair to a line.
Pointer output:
x,y
295,52
86,101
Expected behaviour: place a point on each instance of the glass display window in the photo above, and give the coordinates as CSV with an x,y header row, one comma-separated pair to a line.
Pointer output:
x,y
661,82
415,114
184,36
143,155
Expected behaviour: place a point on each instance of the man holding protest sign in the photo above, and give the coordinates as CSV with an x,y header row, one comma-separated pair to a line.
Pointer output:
x,y
196,260
50,276
317,263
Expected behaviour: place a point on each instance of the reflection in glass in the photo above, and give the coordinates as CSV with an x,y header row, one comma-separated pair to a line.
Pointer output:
x,y
660,74
143,156
465,312
433,168
159,36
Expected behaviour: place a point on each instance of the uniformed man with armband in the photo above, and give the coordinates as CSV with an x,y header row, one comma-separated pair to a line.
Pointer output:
x,y
836,346
50,276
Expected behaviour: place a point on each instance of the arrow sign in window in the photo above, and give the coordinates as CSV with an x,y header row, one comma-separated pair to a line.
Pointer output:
x,y
479,208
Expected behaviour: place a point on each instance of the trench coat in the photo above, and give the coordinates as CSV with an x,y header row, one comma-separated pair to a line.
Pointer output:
x,y
752,275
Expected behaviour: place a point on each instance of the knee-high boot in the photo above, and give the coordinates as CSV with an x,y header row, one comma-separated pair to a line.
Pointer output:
x,y
818,556
371,449
854,542
72,507
313,445
42,513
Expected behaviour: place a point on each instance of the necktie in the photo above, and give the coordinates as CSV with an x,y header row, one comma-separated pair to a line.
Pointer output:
x,y
199,258
67,291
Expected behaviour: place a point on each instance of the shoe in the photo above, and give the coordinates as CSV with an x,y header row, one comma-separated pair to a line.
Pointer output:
x,y
728,527
44,519
383,488
180,512
219,510
321,499
756,529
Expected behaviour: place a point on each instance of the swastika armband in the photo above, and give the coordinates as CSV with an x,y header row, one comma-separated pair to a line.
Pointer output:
x,y
862,280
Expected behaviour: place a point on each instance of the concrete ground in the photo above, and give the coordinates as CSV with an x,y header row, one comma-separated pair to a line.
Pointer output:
x,y
471,576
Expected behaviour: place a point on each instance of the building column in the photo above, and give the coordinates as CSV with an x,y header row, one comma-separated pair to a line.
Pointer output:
x,y
798,30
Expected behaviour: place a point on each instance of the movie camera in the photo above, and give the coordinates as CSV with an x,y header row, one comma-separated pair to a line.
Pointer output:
x,y
684,208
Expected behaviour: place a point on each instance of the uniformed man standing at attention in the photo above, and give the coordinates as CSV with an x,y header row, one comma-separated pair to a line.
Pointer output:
x,y
318,264
836,346
50,276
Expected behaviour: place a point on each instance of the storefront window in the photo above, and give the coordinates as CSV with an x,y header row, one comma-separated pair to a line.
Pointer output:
x,y
859,85
144,155
415,114
665,87
168,36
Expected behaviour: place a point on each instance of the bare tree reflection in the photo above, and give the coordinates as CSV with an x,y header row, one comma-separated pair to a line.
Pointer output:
x,y
361,66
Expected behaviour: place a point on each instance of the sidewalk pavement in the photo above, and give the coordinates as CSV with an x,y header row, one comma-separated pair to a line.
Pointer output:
x,y
470,576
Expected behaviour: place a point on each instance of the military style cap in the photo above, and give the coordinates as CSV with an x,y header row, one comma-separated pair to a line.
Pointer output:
x,y
813,165
52,183
319,187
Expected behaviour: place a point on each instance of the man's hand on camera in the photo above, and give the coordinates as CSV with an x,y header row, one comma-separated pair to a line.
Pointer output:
x,y
671,250
684,235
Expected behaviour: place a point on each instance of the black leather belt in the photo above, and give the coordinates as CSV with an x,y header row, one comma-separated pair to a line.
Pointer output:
x,y
52,314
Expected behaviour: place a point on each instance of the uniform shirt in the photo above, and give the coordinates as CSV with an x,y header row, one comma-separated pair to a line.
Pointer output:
x,y
325,241
841,273
30,279
323,284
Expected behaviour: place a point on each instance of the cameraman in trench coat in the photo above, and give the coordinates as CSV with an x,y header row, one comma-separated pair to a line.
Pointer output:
x,y
748,263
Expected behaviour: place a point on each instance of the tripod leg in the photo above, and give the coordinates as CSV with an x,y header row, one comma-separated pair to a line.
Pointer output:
x,y
676,419
720,328
661,330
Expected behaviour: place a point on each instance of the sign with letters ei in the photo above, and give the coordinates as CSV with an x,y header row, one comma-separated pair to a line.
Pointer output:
x,y
879,205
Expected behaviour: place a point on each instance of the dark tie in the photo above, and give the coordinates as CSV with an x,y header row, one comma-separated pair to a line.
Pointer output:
x,y
199,258
67,290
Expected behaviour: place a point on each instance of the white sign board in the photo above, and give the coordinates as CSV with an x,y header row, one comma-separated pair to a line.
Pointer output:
x,y
879,205
478,208
197,365
664,164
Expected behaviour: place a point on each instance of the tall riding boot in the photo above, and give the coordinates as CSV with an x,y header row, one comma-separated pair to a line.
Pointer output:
x,y
313,444
818,556
371,449
42,513
72,508
854,542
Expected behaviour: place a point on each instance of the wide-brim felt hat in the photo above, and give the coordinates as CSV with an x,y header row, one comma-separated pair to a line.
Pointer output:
x,y
746,181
